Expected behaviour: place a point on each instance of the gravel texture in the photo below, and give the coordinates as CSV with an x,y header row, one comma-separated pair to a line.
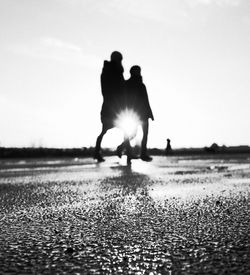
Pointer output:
x,y
175,215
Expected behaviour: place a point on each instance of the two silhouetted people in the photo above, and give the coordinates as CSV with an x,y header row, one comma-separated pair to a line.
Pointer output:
x,y
119,95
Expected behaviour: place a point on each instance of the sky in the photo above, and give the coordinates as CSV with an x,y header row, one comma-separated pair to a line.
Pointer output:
x,y
194,55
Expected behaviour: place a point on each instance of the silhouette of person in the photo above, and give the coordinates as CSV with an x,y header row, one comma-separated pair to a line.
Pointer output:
x,y
112,86
136,98
168,148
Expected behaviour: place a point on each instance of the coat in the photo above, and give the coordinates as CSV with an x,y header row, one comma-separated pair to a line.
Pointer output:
x,y
136,98
112,85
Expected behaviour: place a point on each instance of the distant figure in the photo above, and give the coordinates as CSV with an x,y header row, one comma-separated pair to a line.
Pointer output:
x,y
136,98
112,85
168,148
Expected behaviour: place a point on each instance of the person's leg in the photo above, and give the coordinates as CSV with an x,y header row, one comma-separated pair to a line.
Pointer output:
x,y
144,137
120,148
97,154
129,151
144,155
125,145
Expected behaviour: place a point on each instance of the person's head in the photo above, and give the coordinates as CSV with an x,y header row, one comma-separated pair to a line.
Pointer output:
x,y
135,70
116,57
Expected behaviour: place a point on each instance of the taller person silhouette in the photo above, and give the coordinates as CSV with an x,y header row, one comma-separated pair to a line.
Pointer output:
x,y
112,85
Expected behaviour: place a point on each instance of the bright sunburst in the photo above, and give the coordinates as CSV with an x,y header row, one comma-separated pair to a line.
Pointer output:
x,y
128,121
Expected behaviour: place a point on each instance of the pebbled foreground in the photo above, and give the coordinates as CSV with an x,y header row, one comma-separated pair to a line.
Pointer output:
x,y
175,215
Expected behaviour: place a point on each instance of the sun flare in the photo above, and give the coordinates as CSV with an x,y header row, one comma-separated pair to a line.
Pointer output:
x,y
128,121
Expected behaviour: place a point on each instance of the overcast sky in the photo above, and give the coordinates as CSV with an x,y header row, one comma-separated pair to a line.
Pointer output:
x,y
194,54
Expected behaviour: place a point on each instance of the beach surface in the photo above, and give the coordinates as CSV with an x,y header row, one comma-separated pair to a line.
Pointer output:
x,y
174,215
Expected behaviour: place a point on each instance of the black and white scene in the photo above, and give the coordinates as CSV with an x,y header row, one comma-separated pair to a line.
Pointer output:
x,y
124,137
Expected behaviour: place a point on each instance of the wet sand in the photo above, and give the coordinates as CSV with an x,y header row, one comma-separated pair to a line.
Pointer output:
x,y
175,215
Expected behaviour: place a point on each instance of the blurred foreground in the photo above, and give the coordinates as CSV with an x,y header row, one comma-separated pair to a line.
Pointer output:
x,y
175,215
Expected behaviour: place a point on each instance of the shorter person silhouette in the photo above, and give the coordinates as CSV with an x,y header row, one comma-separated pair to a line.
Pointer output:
x,y
136,99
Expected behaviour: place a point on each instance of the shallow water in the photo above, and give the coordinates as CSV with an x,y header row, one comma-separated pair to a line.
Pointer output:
x,y
179,215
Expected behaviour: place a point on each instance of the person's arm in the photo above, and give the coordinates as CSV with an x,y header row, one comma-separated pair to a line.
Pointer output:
x,y
147,105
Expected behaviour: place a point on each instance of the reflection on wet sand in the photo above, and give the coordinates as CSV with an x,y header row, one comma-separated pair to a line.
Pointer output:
x,y
179,215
